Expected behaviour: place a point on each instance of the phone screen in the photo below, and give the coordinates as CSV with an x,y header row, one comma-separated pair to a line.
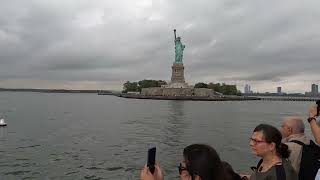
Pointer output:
x,y
151,159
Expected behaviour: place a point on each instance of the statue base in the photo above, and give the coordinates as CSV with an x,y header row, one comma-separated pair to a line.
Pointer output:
x,y
177,73
184,92
177,85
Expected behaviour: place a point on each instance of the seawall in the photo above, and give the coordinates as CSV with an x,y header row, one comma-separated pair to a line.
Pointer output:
x,y
190,98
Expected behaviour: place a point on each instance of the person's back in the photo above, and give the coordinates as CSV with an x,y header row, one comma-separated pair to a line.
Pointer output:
x,y
296,150
305,154
292,129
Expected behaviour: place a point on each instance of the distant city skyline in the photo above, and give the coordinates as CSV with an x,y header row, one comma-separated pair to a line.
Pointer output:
x,y
314,91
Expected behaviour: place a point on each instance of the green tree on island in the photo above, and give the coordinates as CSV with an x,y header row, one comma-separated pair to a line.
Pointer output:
x,y
130,86
223,88
137,86
201,85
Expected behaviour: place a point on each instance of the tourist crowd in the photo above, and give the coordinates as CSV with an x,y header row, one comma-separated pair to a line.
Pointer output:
x,y
285,154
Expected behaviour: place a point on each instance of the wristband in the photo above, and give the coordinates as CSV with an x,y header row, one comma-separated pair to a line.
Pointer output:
x,y
311,118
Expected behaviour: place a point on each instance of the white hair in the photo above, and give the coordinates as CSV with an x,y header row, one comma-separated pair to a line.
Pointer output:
x,y
296,123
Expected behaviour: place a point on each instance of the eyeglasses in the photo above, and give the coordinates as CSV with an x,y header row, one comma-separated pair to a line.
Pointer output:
x,y
181,168
255,141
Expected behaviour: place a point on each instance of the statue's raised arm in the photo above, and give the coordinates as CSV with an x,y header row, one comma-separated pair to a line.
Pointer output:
x,y
179,47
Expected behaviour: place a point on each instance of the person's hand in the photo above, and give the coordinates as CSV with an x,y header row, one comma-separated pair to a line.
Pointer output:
x,y
313,111
147,175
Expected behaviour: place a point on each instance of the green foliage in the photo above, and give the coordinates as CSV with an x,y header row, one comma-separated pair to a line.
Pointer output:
x,y
130,86
137,86
223,88
201,85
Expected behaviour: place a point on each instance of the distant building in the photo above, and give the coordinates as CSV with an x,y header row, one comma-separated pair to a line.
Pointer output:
x,y
247,89
279,90
314,89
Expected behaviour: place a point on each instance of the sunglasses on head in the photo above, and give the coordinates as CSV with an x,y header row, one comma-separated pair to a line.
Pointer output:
x,y
181,168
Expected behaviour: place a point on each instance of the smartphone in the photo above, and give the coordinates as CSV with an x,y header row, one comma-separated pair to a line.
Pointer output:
x,y
318,107
151,159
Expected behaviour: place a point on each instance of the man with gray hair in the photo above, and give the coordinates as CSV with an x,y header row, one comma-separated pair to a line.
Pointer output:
x,y
292,128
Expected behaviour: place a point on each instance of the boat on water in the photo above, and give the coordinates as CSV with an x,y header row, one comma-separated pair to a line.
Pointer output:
x,y
2,123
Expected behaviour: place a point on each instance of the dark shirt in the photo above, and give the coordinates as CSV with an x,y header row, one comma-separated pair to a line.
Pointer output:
x,y
272,175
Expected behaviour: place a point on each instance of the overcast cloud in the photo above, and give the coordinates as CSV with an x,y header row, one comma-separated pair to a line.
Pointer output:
x,y
85,44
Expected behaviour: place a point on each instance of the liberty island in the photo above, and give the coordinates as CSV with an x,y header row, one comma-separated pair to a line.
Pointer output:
x,y
178,88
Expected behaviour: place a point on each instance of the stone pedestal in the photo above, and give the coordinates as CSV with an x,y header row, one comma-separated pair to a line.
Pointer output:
x,y
177,73
177,77
167,91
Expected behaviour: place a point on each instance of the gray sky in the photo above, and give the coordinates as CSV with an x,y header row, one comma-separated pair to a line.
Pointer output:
x,y
85,44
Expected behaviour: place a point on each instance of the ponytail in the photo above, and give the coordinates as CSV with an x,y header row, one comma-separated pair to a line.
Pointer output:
x,y
283,150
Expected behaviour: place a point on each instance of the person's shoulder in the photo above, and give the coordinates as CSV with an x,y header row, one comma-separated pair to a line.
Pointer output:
x,y
304,139
292,145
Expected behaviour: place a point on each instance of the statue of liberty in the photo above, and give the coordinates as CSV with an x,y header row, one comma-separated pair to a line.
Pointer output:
x,y
179,47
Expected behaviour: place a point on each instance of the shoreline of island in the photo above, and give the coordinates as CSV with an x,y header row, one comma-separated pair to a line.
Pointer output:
x,y
57,90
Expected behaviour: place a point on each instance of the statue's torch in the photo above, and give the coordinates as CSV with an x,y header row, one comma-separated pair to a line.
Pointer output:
x,y
175,37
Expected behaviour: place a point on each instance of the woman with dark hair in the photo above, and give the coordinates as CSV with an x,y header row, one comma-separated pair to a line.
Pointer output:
x,y
229,172
200,162
265,142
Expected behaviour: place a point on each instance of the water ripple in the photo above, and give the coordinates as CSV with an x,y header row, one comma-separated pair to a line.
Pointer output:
x,y
16,173
23,147
93,177
73,172
94,168
29,178
114,168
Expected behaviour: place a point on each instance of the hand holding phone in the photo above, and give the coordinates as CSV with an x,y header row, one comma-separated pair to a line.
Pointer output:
x,y
151,159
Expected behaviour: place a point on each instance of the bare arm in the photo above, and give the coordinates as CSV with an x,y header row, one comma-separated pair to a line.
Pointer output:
x,y
315,128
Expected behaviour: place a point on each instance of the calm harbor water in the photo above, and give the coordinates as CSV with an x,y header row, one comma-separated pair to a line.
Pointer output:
x,y
86,136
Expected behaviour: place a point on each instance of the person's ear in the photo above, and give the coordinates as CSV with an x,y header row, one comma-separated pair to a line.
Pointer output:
x,y
272,146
